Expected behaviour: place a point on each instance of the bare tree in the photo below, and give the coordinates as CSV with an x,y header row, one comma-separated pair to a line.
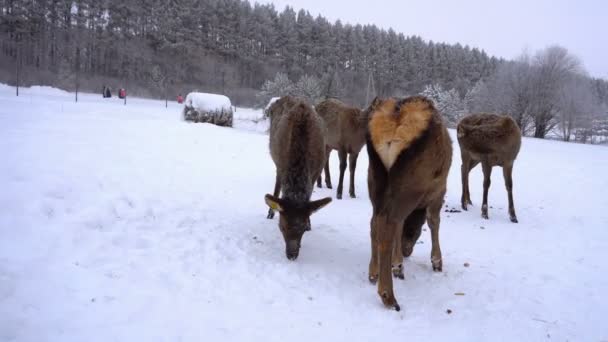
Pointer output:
x,y
540,93
157,76
576,106
508,91
551,69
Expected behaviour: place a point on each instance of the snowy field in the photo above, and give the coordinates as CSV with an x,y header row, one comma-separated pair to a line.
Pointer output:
x,y
124,223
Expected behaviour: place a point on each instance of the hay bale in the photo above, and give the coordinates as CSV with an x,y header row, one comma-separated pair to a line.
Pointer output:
x,y
211,108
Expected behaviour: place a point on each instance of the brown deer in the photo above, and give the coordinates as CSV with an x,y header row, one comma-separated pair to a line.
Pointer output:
x,y
297,147
346,127
492,140
410,153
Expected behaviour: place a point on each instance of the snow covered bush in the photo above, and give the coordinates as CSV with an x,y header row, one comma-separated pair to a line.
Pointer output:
x,y
448,102
211,108
309,88
280,86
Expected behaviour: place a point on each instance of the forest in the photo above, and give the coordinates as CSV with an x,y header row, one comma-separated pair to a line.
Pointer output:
x,y
252,52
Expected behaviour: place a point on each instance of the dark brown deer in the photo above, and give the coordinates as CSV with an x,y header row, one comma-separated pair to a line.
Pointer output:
x,y
410,153
297,147
492,140
346,127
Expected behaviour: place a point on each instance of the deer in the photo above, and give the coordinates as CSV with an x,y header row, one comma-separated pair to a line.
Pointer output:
x,y
410,153
346,128
492,140
297,148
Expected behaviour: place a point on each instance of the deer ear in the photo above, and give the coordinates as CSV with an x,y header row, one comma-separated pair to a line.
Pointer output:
x,y
459,132
376,102
314,206
462,130
273,203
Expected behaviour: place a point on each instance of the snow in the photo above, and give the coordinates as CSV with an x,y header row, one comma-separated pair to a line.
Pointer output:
x,y
125,223
253,120
208,102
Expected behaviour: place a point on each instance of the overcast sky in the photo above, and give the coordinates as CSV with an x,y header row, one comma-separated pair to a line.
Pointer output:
x,y
502,28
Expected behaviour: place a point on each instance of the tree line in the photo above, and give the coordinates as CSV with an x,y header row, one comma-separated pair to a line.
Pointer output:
x,y
163,47
228,46
548,93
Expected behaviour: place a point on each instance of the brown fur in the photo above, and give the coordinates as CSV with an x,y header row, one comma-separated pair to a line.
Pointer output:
x,y
297,147
393,132
492,140
410,153
346,127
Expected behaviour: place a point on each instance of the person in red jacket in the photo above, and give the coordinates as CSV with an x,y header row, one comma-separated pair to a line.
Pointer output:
x,y
180,98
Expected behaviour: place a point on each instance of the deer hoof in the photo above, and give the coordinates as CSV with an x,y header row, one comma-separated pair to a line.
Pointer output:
x,y
398,272
339,196
352,195
373,279
514,219
407,250
437,265
390,301
270,214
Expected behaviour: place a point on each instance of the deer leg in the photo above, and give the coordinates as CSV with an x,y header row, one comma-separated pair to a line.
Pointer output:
x,y
319,180
487,175
472,165
373,263
467,165
464,173
277,191
397,259
412,227
342,155
352,165
327,174
432,215
507,172
385,231
316,178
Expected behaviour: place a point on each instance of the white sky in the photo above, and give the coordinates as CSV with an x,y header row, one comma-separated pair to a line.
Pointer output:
x,y
502,28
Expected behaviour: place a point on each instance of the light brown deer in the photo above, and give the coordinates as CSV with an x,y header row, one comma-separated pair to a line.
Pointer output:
x,y
297,147
492,140
346,127
410,153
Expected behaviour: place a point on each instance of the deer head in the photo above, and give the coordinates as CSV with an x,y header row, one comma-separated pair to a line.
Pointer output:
x,y
294,220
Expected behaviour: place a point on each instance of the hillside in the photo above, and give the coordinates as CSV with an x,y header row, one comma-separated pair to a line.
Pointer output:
x,y
124,223
225,46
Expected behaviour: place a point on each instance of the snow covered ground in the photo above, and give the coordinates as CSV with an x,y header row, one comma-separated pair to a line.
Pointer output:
x,y
124,223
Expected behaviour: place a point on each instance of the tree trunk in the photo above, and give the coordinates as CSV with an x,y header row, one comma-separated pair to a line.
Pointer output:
x,y
18,59
540,131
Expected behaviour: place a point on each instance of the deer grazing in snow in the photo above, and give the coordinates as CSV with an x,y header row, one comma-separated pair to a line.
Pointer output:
x,y
346,127
297,147
410,153
492,140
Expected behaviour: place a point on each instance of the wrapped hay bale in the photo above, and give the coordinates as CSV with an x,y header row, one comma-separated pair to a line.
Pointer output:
x,y
211,108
